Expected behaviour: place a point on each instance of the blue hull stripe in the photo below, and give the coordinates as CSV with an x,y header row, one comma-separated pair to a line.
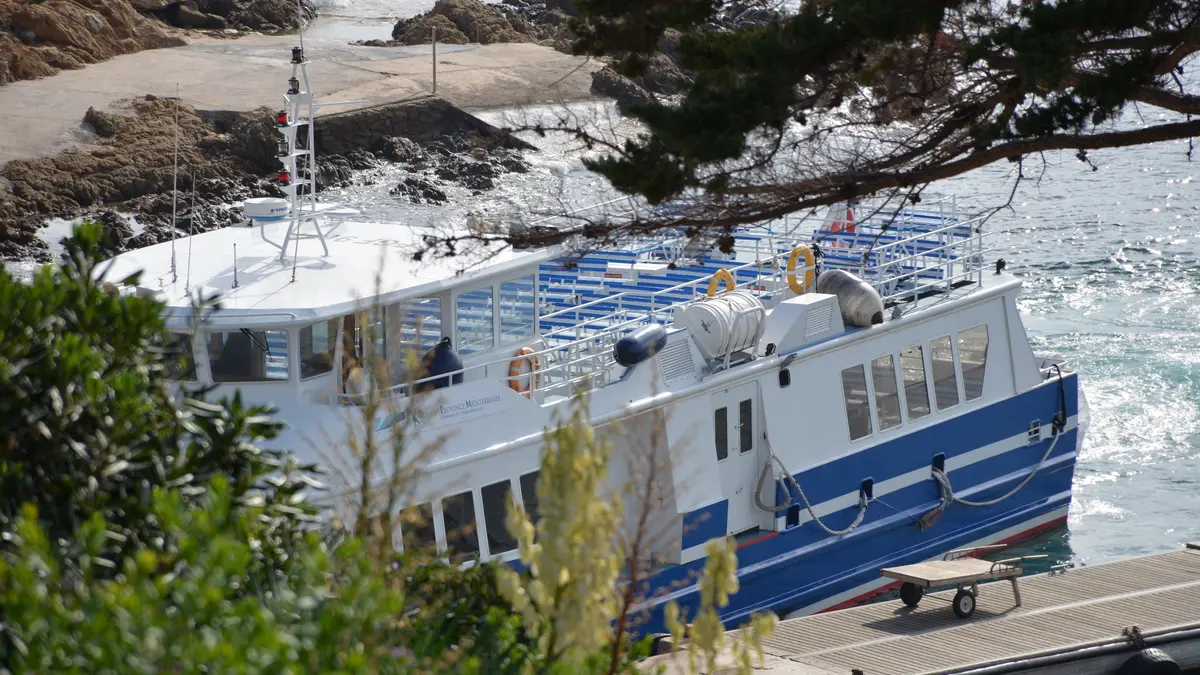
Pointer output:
x,y
705,523
802,565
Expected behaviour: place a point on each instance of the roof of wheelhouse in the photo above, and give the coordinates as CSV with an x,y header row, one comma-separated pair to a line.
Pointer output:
x,y
363,258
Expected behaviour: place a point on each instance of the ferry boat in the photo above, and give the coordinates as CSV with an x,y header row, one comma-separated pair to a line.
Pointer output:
x,y
838,396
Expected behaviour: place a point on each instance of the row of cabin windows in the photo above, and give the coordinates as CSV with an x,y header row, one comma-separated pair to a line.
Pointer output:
x,y
459,520
911,390
262,355
745,429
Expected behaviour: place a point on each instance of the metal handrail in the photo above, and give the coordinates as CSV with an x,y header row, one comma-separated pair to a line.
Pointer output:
x,y
768,269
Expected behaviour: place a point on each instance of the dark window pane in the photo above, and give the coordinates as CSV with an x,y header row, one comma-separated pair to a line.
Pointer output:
x,y
181,362
858,406
458,516
945,381
416,526
317,344
721,432
912,371
887,401
972,352
746,425
529,496
495,508
248,355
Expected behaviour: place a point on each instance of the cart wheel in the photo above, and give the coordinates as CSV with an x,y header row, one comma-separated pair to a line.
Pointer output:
x,y
911,593
964,604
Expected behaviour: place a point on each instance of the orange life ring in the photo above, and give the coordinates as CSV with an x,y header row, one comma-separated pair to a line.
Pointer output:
x,y
523,355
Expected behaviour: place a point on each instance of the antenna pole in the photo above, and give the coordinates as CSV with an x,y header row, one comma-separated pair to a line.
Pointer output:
x,y
235,283
191,233
175,187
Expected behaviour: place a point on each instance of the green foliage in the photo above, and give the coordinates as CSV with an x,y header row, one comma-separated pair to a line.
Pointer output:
x,y
179,609
89,427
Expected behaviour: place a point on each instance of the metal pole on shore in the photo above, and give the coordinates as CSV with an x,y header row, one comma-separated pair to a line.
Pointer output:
x,y
435,59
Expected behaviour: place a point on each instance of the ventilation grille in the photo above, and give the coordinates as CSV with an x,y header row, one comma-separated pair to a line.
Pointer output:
x,y
820,320
676,361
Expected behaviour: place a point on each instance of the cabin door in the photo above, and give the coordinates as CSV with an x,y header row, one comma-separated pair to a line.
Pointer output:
x,y
736,433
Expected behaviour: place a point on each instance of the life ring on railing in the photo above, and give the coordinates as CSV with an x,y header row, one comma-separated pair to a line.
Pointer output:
x,y
809,261
524,355
721,275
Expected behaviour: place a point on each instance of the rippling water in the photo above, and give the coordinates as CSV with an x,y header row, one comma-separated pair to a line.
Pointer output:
x,y
1111,264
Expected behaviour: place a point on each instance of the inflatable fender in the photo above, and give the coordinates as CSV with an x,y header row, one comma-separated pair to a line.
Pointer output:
x,y
640,345
860,303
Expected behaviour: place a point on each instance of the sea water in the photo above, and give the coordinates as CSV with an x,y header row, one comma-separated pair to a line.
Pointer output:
x,y
1110,259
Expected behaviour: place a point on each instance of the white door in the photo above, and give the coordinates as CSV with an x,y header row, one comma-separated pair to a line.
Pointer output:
x,y
737,435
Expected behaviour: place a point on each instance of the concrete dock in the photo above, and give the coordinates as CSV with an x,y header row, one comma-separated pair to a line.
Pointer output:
x,y
1076,621
252,71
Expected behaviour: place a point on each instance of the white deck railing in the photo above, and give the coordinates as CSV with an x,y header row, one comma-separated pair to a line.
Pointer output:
x,y
584,353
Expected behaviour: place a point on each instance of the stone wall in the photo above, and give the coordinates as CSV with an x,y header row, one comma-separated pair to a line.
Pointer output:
x,y
424,119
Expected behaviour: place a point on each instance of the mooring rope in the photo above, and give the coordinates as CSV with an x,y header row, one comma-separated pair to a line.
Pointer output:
x,y
762,477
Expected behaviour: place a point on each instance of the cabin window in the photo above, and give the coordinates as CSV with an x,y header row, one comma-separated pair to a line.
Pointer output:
x,y
746,425
916,392
458,519
945,381
248,355
972,354
529,498
887,399
416,528
517,310
420,323
721,432
495,507
316,348
858,406
181,359
473,320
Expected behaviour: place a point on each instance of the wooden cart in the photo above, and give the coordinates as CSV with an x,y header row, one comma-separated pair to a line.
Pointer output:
x,y
957,568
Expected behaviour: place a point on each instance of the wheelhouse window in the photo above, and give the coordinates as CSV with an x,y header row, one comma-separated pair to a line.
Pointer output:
x,y
458,518
420,322
248,355
887,399
945,381
181,359
416,528
858,406
517,310
529,497
916,391
317,343
972,354
495,508
473,321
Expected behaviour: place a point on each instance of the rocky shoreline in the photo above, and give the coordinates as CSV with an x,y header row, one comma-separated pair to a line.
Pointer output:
x,y
129,170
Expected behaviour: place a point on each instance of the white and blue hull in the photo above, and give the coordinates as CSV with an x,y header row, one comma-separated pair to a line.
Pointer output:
x,y
800,569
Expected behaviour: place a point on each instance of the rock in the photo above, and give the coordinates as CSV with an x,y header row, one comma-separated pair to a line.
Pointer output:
x,y
608,82
662,76
515,165
39,39
419,31
149,5
420,191
104,124
473,20
397,149
256,140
